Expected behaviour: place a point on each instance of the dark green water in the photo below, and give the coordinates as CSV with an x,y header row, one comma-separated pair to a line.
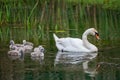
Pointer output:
x,y
104,65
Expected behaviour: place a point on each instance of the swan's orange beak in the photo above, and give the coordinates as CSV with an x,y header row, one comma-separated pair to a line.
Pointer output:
x,y
97,35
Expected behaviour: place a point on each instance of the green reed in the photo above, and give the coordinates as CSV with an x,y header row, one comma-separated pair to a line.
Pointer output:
x,y
0,17
4,34
37,20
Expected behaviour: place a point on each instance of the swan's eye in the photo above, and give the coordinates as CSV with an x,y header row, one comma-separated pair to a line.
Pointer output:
x,y
96,33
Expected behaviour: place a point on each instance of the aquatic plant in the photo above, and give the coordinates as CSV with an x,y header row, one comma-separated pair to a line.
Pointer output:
x,y
37,20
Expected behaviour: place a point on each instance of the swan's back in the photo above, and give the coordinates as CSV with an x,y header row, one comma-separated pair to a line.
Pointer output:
x,y
69,44
75,45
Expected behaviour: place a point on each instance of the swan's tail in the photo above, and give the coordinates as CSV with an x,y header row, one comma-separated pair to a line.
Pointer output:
x,y
55,37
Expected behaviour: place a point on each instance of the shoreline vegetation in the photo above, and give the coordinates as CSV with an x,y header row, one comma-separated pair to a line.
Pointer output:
x,y
37,20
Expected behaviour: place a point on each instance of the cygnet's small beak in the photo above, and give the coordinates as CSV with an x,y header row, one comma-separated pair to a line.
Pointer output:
x,y
97,35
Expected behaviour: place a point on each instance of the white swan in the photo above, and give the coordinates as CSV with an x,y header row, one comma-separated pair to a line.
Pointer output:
x,y
76,44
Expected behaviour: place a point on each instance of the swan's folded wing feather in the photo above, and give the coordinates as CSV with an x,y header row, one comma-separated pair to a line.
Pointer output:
x,y
76,42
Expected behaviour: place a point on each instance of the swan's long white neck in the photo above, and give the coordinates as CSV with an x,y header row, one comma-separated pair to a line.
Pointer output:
x,y
84,39
86,43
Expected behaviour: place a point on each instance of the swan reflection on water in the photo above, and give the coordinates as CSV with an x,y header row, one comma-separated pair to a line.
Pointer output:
x,y
73,58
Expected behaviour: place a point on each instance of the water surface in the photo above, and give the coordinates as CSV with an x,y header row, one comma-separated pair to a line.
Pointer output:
x,y
104,65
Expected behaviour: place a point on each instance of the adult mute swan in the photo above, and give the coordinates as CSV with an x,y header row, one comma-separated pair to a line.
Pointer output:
x,y
76,44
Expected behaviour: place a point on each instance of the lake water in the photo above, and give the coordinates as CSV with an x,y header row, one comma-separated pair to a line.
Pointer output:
x,y
104,65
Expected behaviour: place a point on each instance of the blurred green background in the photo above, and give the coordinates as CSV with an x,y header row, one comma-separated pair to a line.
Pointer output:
x,y
37,20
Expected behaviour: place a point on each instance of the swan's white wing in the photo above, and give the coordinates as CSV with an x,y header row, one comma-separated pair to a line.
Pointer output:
x,y
76,42
78,45
71,44
62,43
